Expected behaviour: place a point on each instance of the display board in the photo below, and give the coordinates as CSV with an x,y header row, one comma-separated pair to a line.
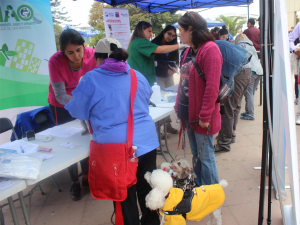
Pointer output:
x,y
284,130
117,26
27,42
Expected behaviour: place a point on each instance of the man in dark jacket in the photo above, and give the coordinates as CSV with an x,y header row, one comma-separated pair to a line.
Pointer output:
x,y
253,34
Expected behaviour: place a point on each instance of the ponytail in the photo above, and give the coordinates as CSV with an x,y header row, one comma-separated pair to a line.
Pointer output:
x,y
118,54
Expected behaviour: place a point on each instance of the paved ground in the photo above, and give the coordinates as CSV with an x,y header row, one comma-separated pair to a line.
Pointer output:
x,y
242,195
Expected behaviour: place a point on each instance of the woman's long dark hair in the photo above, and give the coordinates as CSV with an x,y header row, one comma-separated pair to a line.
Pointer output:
x,y
70,36
173,56
200,34
139,31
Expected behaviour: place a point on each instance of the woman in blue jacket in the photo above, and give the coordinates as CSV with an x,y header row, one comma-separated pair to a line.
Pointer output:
x,y
102,96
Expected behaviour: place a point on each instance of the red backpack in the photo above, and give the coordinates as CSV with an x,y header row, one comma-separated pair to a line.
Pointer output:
x,y
110,171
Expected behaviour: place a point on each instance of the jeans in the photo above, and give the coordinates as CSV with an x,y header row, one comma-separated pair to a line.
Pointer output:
x,y
206,167
232,107
249,95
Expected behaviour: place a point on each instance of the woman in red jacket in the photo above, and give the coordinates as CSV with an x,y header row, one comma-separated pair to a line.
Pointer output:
x,y
196,100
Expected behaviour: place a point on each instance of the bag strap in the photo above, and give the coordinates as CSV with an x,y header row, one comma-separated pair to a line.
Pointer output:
x,y
130,123
199,70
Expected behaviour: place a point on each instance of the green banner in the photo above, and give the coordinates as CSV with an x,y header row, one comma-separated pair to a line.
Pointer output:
x,y
27,43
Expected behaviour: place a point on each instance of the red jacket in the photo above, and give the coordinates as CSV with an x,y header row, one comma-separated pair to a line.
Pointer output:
x,y
203,95
254,35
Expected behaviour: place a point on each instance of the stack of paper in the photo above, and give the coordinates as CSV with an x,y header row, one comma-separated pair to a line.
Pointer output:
x,y
60,131
21,146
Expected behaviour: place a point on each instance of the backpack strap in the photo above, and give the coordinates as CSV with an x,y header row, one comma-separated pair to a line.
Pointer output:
x,y
199,70
130,123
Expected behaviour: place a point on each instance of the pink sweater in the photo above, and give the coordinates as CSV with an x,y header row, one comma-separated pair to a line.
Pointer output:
x,y
203,95
59,71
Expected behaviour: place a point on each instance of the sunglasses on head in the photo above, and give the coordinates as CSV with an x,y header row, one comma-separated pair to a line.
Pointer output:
x,y
170,34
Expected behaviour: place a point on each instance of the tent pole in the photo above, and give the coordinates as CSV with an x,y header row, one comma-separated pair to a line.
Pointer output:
x,y
265,145
248,9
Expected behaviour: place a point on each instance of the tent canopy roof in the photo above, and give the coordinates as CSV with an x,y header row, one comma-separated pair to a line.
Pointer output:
x,y
155,6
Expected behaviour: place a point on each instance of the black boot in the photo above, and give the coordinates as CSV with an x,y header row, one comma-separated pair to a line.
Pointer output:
x,y
75,191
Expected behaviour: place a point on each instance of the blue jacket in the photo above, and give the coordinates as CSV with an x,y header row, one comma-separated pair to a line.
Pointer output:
x,y
102,96
25,122
234,57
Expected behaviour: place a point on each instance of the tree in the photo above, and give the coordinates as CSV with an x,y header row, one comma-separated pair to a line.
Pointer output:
x,y
96,21
58,14
135,16
232,24
57,33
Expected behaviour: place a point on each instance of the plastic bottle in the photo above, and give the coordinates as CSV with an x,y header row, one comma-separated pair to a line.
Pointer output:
x,y
156,95
133,157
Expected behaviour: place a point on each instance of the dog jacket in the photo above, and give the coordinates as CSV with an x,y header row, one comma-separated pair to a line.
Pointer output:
x,y
206,199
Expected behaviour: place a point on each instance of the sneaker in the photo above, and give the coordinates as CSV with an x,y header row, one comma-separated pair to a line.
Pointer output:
x,y
243,114
298,120
246,118
75,191
220,149
296,101
85,183
172,130
233,140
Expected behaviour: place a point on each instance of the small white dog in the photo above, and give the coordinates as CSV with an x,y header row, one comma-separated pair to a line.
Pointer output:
x,y
203,200
295,61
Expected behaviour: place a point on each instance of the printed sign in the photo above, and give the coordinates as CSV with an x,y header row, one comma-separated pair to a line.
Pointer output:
x,y
27,43
116,22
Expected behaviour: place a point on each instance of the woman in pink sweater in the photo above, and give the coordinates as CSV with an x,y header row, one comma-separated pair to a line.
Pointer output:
x,y
65,69
196,99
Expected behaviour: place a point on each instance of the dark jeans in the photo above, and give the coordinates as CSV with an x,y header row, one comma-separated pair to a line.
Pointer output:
x,y
296,86
63,116
130,210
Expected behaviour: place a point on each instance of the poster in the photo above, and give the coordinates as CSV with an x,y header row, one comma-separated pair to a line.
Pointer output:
x,y
26,44
116,22
284,130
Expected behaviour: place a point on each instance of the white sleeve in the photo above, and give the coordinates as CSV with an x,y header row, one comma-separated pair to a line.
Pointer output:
x,y
293,36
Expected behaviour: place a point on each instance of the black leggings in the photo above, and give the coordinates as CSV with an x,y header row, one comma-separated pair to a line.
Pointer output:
x,y
130,210
63,116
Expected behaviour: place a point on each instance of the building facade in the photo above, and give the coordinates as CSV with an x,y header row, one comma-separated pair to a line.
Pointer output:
x,y
293,12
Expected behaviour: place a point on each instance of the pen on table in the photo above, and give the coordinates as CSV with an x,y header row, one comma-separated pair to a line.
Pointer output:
x,y
22,150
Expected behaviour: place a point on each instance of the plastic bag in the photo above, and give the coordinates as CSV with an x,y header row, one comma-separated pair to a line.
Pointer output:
x,y
20,166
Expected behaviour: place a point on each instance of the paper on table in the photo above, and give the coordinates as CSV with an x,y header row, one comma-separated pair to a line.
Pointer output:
x,y
4,183
45,156
60,131
69,145
18,144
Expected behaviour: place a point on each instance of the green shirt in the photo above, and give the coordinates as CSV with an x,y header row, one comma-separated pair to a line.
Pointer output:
x,y
141,58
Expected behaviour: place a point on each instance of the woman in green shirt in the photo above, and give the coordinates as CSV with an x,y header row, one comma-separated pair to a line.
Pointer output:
x,y
141,51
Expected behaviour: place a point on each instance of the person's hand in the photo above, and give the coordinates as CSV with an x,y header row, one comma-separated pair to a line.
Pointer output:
x,y
171,72
181,46
203,125
297,53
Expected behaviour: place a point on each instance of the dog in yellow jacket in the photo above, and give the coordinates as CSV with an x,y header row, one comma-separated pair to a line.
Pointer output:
x,y
206,200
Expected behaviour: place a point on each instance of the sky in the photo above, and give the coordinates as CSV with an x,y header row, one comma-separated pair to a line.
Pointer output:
x,y
79,10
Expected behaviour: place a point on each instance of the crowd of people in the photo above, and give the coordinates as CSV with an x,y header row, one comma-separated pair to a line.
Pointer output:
x,y
102,95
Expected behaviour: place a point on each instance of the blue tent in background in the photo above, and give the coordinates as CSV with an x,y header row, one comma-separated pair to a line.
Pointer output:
x,y
83,34
92,32
210,23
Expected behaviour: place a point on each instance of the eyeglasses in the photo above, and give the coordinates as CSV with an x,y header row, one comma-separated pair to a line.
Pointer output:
x,y
173,35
